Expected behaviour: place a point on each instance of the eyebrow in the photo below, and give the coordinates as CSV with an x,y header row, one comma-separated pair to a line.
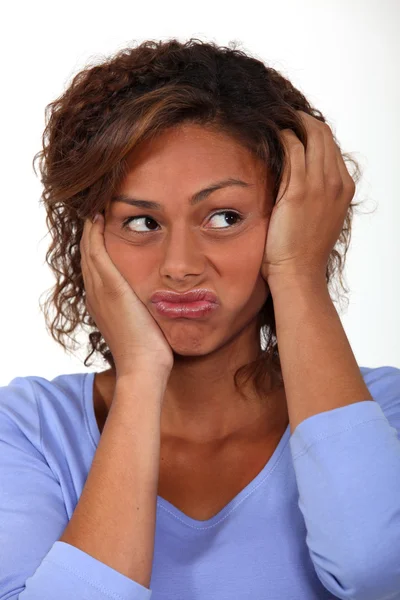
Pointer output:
x,y
195,199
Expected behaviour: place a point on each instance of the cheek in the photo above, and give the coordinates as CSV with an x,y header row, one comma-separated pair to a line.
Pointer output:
x,y
117,251
238,262
240,271
127,260
246,256
246,261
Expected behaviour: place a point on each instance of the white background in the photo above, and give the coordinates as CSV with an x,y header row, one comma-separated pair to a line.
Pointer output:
x,y
343,55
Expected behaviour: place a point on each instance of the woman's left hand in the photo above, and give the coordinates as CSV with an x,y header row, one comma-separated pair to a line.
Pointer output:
x,y
306,222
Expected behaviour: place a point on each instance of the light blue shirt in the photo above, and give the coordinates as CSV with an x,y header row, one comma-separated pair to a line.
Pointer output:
x,y
320,521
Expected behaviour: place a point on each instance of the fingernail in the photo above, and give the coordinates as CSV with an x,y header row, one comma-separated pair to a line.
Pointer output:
x,y
95,218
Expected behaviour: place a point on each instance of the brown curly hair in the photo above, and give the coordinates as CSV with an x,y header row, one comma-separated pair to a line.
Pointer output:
x,y
111,107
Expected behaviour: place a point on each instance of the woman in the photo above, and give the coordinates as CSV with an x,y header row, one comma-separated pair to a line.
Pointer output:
x,y
220,194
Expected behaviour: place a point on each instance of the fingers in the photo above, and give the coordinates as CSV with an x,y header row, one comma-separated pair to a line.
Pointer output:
x,y
321,166
315,158
101,273
295,168
87,278
332,175
90,275
337,178
347,179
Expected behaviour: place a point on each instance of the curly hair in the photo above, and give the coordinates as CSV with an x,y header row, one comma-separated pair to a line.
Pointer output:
x,y
131,96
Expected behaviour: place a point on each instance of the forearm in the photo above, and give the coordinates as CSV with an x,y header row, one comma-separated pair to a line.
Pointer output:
x,y
319,369
114,520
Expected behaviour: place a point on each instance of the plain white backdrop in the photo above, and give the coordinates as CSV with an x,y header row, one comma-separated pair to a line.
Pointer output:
x,y
343,55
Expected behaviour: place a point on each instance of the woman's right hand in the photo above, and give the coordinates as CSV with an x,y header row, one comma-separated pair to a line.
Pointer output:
x,y
133,336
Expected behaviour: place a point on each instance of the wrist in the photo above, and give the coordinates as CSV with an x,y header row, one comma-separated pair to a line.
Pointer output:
x,y
143,373
286,284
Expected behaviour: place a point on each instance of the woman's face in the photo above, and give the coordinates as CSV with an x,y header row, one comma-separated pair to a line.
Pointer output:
x,y
180,247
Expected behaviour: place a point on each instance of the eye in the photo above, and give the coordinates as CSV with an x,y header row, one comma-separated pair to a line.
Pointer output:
x,y
148,220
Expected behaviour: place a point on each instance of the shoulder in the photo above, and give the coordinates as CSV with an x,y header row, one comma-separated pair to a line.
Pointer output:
x,y
19,411
28,403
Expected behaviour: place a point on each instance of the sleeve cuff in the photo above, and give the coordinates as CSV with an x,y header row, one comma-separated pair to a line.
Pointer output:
x,y
97,579
331,422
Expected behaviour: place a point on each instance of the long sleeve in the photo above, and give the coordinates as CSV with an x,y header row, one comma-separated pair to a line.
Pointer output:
x,y
321,518
33,564
347,467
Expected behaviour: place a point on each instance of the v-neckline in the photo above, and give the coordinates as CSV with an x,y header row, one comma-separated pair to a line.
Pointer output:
x,y
164,504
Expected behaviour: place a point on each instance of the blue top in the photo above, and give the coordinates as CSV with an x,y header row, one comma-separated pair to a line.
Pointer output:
x,y
321,520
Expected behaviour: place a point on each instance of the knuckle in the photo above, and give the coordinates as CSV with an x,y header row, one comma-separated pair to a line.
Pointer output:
x,y
317,188
114,292
289,136
298,191
319,133
350,184
297,145
334,183
93,253
326,127
82,248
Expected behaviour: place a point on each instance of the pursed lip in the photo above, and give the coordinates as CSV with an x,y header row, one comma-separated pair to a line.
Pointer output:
x,y
191,296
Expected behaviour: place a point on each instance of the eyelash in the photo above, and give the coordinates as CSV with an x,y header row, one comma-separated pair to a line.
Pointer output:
x,y
130,219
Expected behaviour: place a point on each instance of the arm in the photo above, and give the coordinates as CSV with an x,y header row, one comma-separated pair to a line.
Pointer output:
x,y
114,520
109,552
319,369
346,461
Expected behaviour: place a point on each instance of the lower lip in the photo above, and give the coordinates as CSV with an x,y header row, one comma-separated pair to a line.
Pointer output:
x,y
187,310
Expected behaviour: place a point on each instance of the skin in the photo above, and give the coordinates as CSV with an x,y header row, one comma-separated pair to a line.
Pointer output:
x,y
191,248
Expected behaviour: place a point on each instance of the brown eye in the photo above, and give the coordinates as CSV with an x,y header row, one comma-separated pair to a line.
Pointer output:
x,y
147,221
145,218
231,214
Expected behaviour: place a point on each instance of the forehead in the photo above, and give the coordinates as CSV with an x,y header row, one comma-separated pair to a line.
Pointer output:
x,y
184,162
191,150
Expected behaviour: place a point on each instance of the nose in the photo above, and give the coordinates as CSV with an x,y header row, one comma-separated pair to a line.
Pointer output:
x,y
182,254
